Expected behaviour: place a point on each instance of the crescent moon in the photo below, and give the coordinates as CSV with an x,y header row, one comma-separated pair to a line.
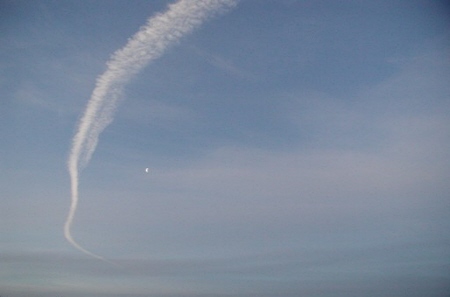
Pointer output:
x,y
146,170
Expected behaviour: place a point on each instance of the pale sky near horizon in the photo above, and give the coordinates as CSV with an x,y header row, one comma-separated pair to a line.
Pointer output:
x,y
295,148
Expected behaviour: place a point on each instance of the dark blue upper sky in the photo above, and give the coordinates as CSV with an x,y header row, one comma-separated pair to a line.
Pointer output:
x,y
295,148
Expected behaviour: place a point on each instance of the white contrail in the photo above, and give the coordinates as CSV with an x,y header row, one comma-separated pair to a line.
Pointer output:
x,y
146,45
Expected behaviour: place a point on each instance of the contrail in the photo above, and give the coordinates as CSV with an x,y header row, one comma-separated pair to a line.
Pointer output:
x,y
148,44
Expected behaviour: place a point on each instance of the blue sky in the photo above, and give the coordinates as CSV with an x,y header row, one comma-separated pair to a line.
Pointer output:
x,y
295,148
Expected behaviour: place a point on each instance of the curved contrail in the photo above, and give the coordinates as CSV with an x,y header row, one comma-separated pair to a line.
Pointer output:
x,y
148,44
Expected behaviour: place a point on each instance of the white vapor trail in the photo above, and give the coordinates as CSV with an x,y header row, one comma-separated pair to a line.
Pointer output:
x,y
148,44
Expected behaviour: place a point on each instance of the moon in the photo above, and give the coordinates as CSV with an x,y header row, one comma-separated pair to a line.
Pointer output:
x,y
146,170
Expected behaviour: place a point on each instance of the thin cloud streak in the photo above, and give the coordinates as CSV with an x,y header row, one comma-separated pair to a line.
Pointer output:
x,y
148,44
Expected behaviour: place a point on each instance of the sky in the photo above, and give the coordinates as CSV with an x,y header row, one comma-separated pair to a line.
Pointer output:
x,y
294,148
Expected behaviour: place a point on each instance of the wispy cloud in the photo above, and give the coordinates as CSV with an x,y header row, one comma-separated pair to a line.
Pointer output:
x,y
224,64
148,44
